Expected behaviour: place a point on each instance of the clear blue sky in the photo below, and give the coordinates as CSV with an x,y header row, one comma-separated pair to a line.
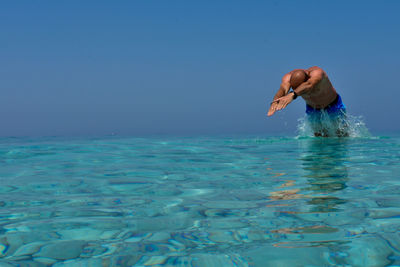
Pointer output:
x,y
189,67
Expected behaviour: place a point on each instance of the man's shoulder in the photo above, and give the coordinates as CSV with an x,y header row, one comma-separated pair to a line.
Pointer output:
x,y
316,71
315,68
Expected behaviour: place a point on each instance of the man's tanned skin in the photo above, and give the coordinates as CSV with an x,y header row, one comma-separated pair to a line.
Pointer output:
x,y
311,84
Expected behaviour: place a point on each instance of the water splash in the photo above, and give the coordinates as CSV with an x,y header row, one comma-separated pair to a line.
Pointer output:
x,y
324,124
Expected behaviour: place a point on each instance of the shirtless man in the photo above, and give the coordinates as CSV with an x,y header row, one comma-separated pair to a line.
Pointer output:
x,y
322,101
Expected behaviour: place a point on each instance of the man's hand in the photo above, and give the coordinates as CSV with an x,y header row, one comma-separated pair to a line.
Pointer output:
x,y
272,108
280,103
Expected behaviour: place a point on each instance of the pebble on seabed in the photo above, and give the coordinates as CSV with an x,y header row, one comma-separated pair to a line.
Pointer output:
x,y
81,234
218,260
28,249
80,263
159,236
62,250
368,251
3,249
46,261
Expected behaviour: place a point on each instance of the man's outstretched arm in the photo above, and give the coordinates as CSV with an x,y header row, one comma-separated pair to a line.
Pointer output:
x,y
283,90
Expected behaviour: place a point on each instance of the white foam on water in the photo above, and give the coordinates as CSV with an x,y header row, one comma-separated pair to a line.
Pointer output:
x,y
327,125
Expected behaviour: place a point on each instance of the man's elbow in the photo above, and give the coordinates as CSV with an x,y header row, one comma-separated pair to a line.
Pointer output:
x,y
305,88
309,85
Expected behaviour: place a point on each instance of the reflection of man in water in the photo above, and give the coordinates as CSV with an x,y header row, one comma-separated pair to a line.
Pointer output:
x,y
323,102
323,162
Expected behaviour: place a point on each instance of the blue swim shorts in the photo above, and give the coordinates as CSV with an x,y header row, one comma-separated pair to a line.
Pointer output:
x,y
335,108
329,121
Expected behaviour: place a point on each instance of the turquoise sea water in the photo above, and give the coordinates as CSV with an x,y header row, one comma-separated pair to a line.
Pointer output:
x,y
200,201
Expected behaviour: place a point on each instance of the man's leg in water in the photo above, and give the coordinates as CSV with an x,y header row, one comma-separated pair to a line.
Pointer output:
x,y
314,120
337,113
328,124
341,124
334,124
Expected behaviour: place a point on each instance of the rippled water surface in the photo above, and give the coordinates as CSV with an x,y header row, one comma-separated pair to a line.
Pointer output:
x,y
204,201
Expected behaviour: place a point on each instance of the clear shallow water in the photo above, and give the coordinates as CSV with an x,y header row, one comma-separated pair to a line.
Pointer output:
x,y
205,201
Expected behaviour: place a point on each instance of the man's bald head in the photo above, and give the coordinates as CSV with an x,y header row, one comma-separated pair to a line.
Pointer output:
x,y
297,78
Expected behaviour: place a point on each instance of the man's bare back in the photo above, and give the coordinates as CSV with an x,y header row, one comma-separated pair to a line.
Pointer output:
x,y
314,86
323,93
